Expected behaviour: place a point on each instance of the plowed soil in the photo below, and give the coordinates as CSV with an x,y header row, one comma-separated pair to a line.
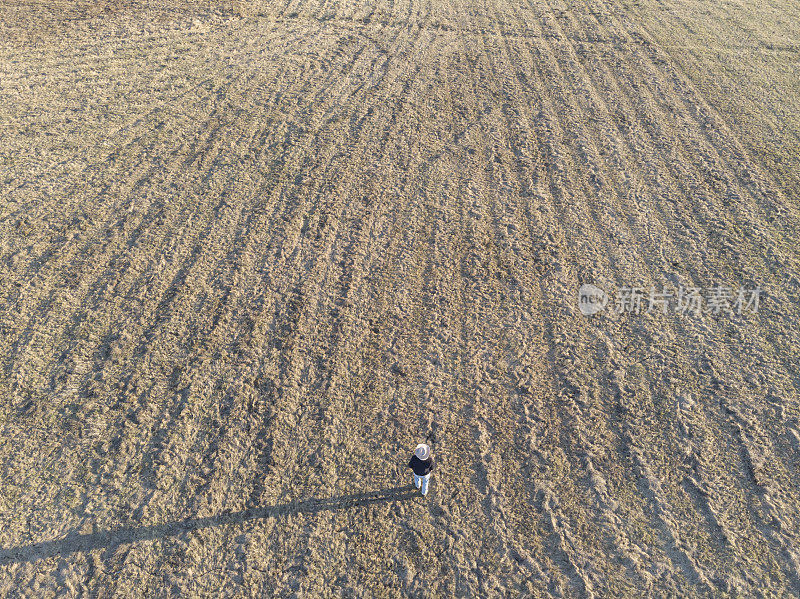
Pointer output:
x,y
252,254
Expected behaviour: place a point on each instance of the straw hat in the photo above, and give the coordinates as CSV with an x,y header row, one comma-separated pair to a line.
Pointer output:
x,y
423,452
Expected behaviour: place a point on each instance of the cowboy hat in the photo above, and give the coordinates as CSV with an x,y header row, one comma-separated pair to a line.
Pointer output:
x,y
422,451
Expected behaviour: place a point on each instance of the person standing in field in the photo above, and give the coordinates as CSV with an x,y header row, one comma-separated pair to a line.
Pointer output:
x,y
422,465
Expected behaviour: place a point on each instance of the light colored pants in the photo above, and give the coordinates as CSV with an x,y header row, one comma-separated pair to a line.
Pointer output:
x,y
421,482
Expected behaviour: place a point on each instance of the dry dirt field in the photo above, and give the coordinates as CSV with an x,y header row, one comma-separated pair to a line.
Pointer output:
x,y
251,254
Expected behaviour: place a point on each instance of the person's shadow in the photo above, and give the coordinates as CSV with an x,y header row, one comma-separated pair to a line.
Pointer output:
x,y
111,538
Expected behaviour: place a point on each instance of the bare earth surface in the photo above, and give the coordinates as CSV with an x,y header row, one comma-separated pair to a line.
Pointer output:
x,y
250,257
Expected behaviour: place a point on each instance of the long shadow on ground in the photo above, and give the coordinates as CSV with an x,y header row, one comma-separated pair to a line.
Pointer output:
x,y
74,543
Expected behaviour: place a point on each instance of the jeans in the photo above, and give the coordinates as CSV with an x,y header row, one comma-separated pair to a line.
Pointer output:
x,y
421,483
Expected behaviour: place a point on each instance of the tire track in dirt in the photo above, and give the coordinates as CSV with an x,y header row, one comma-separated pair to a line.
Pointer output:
x,y
711,148
299,334
90,293
184,398
515,112
335,387
764,181
591,474
101,226
774,277
752,423
487,467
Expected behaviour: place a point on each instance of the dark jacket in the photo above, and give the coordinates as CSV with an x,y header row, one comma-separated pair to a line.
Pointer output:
x,y
421,467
